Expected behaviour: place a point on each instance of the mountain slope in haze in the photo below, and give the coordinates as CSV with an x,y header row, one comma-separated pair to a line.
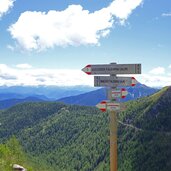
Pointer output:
x,y
6,95
50,92
10,96
94,97
70,137
11,102
88,99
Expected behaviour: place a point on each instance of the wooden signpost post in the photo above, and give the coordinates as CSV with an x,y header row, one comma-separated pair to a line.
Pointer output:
x,y
111,80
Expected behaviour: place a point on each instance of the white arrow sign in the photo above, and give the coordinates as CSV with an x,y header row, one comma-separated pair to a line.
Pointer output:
x,y
107,69
111,106
109,81
122,93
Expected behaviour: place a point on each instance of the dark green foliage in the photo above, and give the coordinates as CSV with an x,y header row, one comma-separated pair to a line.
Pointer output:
x,y
72,139
25,115
69,138
64,137
148,145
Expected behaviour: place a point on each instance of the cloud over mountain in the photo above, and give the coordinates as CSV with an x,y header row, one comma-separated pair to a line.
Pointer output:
x,y
30,76
12,76
157,71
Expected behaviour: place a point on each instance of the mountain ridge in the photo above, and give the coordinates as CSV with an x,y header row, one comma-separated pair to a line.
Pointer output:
x,y
94,97
50,92
11,102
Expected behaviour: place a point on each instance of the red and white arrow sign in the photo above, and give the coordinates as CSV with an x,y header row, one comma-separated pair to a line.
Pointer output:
x,y
102,106
87,69
106,69
111,106
110,81
122,93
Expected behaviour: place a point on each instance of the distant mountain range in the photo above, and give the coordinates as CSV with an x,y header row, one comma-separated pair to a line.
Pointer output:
x,y
11,96
42,92
94,97
11,102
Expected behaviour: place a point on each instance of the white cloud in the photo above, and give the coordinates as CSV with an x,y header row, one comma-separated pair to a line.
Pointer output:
x,y
157,77
72,26
170,66
166,15
123,8
155,80
59,77
5,5
157,71
24,66
12,76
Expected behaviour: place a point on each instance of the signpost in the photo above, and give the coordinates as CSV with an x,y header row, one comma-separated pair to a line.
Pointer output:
x,y
108,69
112,81
110,106
122,93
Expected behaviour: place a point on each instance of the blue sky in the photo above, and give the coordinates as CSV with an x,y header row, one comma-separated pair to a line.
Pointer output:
x,y
48,42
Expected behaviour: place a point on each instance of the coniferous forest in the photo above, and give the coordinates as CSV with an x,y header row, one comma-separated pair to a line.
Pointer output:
x,y
55,136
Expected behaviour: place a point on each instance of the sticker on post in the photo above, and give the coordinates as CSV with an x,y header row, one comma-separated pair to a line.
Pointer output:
x,y
106,105
122,93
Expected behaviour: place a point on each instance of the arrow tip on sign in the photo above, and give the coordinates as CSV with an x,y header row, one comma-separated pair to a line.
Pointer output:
x,y
102,106
134,81
124,93
87,69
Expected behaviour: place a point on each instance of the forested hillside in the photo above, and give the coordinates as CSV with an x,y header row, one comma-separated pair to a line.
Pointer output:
x,y
70,137
67,137
145,137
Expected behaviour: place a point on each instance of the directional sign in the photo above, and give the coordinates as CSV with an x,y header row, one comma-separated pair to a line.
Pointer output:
x,y
102,106
122,93
107,69
109,81
111,106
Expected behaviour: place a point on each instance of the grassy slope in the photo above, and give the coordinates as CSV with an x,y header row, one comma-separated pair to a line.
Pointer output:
x,y
12,152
